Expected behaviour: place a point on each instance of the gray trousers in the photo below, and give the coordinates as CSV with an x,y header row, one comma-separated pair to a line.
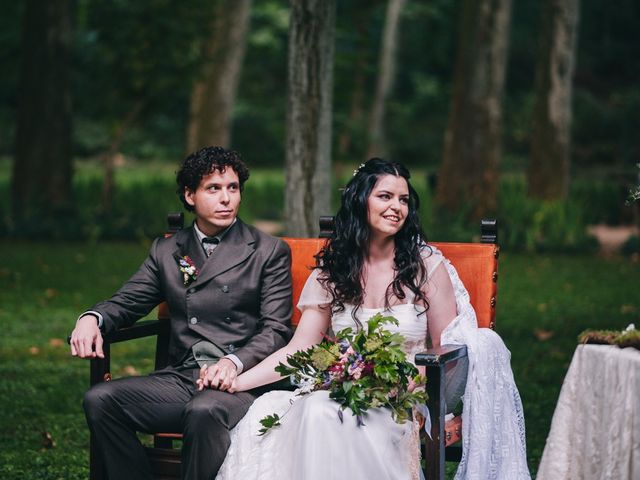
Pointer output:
x,y
165,401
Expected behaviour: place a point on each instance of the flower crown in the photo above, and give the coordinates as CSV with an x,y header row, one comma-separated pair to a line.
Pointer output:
x,y
360,167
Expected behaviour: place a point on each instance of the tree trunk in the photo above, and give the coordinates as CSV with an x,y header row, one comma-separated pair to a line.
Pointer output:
x,y
108,160
310,83
472,144
386,73
214,92
548,173
42,169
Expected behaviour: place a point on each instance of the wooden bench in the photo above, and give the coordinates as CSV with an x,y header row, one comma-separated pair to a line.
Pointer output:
x,y
476,264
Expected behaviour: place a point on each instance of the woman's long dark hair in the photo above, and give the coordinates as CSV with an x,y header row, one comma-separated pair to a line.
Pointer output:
x,y
342,258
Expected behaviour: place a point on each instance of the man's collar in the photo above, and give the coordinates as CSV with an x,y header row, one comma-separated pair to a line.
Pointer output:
x,y
200,235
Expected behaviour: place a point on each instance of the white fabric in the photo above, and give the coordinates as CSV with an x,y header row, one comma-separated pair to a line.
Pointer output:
x,y
493,436
313,444
595,431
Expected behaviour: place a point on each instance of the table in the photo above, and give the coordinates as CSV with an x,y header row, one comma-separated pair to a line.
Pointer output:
x,y
595,431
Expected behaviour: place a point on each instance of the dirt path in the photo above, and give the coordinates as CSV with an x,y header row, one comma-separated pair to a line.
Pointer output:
x,y
611,239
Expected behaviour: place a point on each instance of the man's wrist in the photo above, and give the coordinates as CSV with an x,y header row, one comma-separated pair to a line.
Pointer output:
x,y
94,314
236,361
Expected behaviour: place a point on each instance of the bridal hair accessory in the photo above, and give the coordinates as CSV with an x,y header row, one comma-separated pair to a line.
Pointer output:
x,y
189,270
360,167
361,370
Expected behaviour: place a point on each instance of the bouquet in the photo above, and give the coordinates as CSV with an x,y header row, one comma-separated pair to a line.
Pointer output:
x,y
361,370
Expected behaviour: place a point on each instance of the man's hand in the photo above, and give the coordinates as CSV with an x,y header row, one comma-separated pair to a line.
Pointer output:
x,y
219,376
85,336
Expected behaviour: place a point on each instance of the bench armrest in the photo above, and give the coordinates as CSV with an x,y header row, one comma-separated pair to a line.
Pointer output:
x,y
145,328
441,355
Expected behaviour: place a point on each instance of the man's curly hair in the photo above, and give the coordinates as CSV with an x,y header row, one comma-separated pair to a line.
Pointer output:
x,y
204,162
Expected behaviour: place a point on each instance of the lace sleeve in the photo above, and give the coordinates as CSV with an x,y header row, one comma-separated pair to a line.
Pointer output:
x,y
313,293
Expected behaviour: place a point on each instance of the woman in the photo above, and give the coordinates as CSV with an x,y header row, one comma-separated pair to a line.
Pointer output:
x,y
375,261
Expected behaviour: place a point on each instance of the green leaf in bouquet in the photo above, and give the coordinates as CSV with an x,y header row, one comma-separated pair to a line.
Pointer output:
x,y
374,371
269,422
323,358
372,344
377,320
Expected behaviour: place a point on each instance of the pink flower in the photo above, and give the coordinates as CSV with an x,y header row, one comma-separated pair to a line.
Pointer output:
x,y
189,270
356,369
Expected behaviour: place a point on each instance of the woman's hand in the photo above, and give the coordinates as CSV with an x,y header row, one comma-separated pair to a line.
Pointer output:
x,y
235,386
422,376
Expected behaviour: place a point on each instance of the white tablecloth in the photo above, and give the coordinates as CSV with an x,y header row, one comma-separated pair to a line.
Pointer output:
x,y
595,431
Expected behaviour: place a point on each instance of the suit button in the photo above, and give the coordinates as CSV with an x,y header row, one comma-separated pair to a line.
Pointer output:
x,y
191,290
193,320
231,347
227,319
225,288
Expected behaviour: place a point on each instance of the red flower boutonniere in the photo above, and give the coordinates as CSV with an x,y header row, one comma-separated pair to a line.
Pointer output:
x,y
189,270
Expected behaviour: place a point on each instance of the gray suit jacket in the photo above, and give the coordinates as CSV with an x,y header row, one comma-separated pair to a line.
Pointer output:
x,y
241,299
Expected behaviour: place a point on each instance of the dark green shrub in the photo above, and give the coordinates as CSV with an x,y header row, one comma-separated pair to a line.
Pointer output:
x,y
146,193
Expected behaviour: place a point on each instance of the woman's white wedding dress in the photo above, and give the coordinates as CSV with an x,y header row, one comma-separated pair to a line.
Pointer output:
x,y
312,443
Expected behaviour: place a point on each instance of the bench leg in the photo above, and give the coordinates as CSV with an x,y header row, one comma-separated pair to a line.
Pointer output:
x,y
434,449
99,368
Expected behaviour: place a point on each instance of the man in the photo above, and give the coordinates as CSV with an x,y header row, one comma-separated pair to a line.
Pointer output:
x,y
228,287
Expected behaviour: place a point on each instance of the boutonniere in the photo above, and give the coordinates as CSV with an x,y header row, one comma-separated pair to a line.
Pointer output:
x,y
189,270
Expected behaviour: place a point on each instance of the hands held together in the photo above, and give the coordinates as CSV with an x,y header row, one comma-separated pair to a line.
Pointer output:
x,y
219,376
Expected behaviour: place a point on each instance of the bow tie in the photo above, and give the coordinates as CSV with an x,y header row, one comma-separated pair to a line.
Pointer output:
x,y
209,244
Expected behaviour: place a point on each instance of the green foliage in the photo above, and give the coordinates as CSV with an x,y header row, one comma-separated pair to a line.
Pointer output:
x,y
631,246
540,225
136,57
258,129
629,337
361,370
269,422
43,288
146,193
537,225
147,52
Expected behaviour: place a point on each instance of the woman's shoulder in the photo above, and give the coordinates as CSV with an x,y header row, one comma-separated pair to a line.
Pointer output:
x,y
314,293
432,257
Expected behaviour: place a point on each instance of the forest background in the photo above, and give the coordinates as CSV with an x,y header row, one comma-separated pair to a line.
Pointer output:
x,y
526,111
118,87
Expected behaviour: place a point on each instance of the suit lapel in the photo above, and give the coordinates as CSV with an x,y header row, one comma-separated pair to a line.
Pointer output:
x,y
236,246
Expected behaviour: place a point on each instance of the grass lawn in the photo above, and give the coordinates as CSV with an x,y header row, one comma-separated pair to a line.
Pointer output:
x,y
543,303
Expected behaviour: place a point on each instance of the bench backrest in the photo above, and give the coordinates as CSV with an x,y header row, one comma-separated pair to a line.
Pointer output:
x,y
476,263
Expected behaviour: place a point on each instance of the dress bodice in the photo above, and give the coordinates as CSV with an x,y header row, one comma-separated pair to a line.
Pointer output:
x,y
412,324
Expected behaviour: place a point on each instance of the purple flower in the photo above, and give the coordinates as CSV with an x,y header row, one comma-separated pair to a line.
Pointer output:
x,y
189,270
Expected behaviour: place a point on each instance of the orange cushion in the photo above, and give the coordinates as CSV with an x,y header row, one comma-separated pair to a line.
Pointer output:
x,y
476,264
302,260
